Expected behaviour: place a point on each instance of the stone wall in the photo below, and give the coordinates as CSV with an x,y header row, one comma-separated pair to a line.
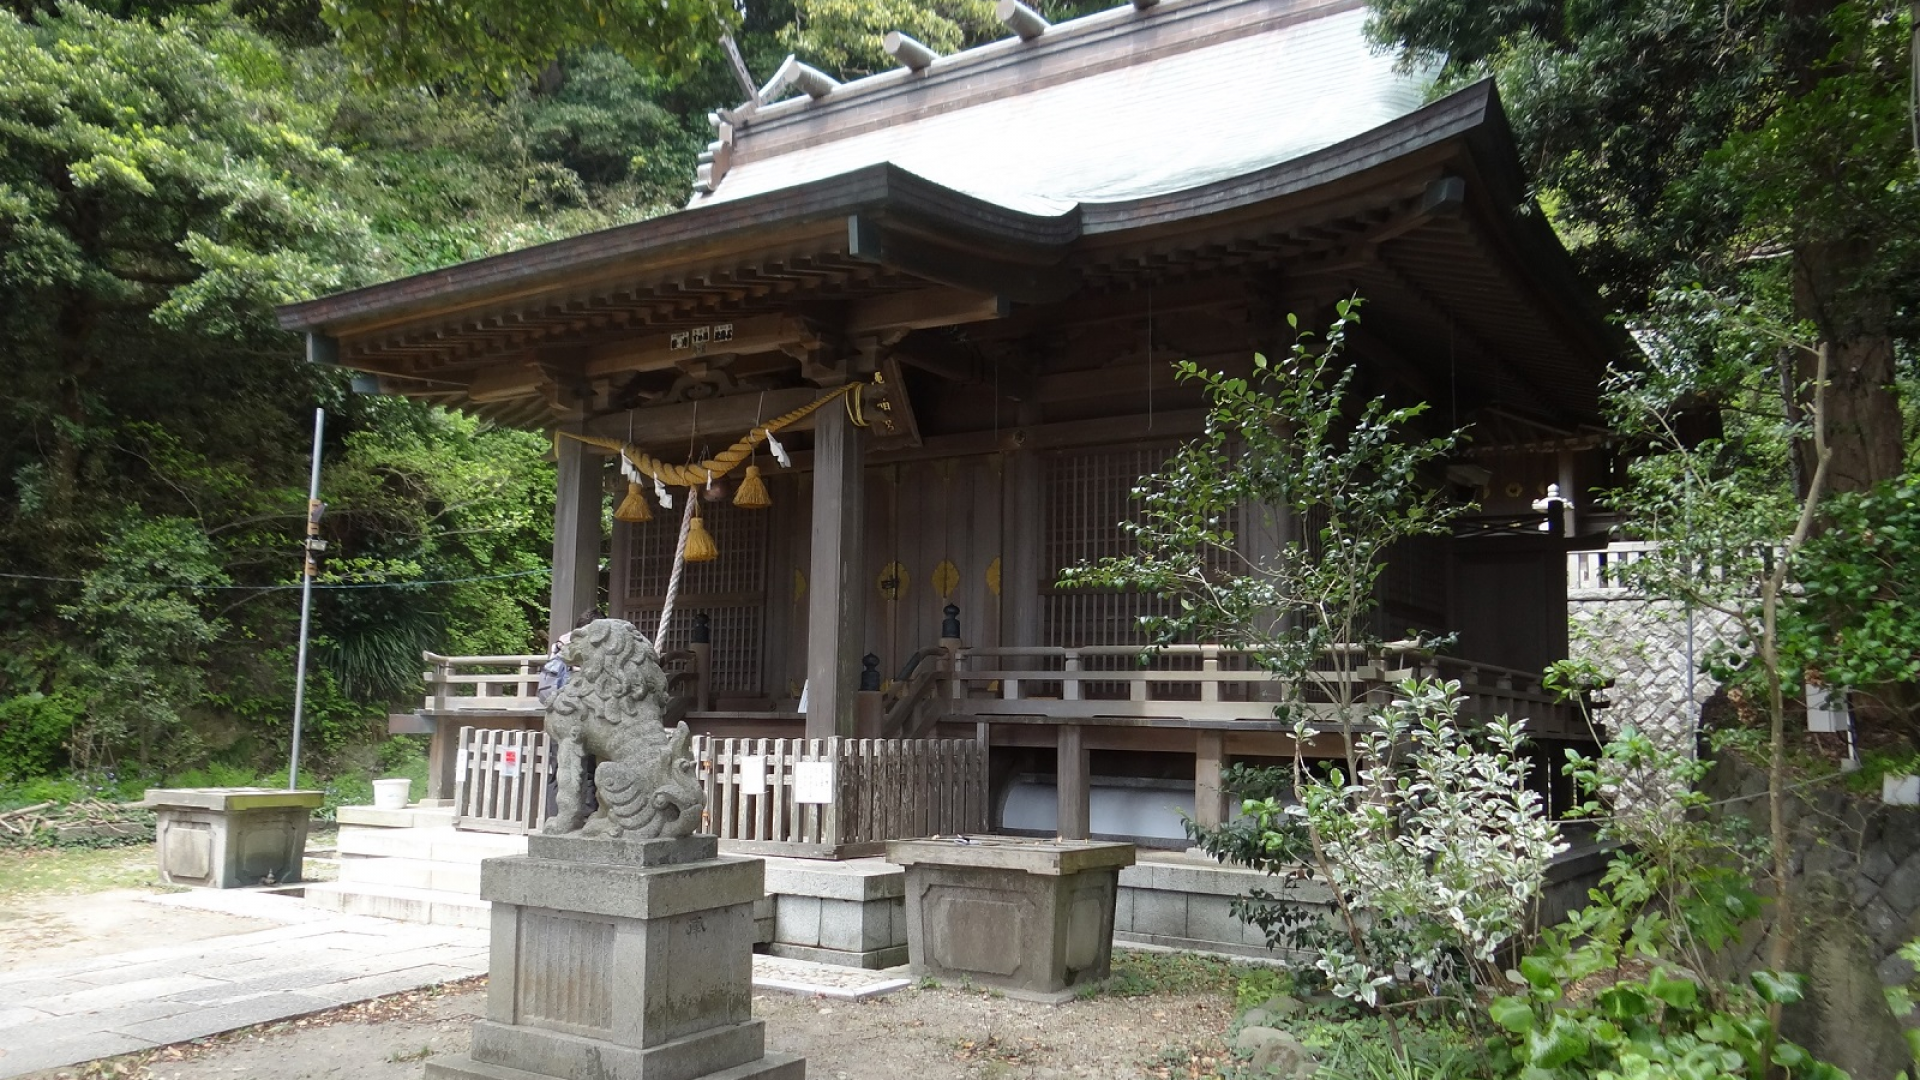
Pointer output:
x,y
1867,848
1856,899
1642,645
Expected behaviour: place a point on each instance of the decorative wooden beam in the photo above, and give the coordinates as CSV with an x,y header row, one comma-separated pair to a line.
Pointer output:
x,y
924,309
652,350
868,240
731,416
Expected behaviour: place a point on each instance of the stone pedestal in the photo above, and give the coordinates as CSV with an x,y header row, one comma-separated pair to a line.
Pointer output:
x,y
1033,918
225,838
620,960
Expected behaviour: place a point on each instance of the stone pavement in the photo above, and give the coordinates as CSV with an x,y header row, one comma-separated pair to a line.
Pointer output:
x,y
65,1013
61,1014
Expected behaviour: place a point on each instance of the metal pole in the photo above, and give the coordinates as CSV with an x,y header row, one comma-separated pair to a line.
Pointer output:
x,y
310,545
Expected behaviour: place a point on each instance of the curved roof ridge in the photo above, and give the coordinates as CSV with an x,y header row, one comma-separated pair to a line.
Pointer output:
x,y
1214,88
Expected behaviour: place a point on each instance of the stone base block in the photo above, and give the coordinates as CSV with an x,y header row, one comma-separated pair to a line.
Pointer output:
x,y
555,1053
1032,918
226,838
460,1067
871,959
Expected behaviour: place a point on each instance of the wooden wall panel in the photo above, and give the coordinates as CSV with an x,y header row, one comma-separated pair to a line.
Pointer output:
x,y
919,515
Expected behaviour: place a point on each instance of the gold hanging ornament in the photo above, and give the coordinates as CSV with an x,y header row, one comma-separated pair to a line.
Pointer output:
x,y
633,508
700,542
752,493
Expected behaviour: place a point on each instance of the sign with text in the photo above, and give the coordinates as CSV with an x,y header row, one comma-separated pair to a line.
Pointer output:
x,y
753,775
510,761
813,781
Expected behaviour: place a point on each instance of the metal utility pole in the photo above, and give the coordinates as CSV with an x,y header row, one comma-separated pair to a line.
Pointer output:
x,y
313,545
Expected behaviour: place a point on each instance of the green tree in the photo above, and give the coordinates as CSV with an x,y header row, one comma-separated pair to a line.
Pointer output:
x,y
1756,145
502,44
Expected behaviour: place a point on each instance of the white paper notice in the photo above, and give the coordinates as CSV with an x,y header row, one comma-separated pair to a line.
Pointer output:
x,y
510,761
753,776
813,781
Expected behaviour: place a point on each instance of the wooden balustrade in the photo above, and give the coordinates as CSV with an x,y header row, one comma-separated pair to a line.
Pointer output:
x,y
840,798
1211,685
810,798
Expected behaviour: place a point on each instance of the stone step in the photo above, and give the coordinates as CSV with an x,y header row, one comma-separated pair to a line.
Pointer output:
x,y
437,843
456,877
400,903
413,817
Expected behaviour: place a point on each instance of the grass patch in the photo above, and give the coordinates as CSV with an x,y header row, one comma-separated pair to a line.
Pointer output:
x,y
1138,973
74,871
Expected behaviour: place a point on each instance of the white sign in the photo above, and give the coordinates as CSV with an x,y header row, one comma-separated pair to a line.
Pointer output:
x,y
753,776
510,761
813,781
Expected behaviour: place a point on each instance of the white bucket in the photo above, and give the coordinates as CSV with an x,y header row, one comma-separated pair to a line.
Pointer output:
x,y
391,794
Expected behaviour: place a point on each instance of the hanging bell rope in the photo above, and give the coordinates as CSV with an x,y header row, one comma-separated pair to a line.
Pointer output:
x,y
673,579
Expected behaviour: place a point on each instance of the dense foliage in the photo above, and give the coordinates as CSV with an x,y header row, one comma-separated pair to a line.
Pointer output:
x,y
169,171
1763,147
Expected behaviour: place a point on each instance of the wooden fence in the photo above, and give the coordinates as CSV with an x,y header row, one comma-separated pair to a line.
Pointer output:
x,y
808,798
500,783
840,798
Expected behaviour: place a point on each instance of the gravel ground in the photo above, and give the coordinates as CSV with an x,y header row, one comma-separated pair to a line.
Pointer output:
x,y
933,1033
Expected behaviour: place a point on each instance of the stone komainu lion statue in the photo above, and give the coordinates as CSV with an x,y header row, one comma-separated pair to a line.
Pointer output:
x,y
612,708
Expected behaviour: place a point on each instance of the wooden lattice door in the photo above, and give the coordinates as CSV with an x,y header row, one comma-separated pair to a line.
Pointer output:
x,y
731,590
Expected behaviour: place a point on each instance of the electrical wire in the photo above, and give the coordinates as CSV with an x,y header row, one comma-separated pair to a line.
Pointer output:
x,y
286,588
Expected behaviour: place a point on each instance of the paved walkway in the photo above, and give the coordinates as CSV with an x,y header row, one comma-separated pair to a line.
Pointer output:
x,y
61,1014
66,1013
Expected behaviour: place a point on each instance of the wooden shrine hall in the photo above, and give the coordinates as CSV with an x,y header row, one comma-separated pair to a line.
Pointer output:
x,y
982,267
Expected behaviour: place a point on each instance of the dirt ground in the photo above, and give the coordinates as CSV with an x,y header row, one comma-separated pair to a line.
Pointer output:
x,y
57,906
926,1034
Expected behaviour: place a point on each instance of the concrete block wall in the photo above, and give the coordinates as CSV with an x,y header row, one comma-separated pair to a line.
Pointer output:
x,y
1186,902
851,913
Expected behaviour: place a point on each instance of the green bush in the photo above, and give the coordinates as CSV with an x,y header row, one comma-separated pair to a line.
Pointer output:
x,y
33,734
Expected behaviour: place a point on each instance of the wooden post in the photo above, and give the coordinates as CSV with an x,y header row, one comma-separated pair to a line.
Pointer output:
x,y
834,616
1071,780
700,644
1569,520
576,536
1021,518
1209,799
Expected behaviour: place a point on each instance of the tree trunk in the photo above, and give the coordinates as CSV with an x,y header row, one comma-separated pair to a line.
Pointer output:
x,y
1864,425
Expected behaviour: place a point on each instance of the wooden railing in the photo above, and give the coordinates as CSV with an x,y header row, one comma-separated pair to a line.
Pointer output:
x,y
484,683
501,783
1211,686
810,798
1603,571
510,684
840,798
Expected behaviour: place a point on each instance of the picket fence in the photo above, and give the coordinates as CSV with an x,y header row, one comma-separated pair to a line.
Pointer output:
x,y
805,798
500,781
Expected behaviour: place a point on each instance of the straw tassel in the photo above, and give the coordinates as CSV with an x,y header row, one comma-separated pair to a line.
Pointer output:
x,y
633,508
752,494
699,542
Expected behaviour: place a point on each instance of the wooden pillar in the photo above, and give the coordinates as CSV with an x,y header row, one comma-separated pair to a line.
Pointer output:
x,y
1209,799
1072,782
834,615
1569,520
1021,519
576,537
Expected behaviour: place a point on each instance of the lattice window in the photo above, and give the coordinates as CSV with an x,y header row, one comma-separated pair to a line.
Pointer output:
x,y
730,590
1088,495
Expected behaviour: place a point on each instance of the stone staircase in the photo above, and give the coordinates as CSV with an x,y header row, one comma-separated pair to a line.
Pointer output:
x,y
411,865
